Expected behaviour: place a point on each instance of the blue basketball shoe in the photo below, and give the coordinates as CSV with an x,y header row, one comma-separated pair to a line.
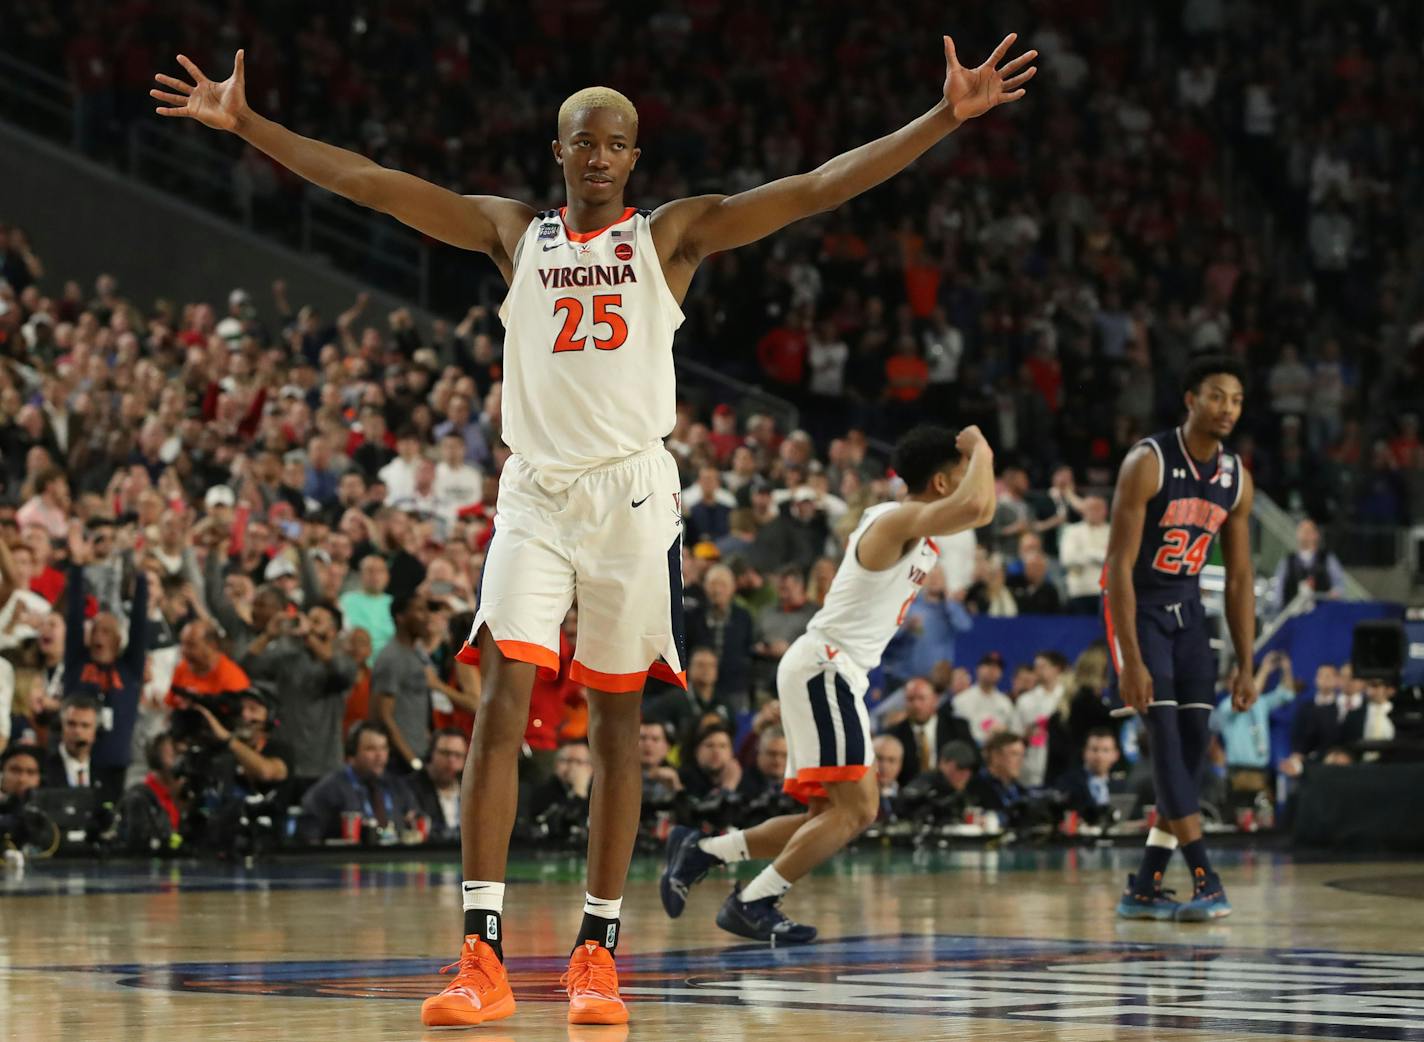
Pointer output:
x,y
1137,903
761,920
1208,900
687,865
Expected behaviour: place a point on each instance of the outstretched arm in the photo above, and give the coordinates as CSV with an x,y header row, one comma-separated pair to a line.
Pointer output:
x,y
474,222
968,506
689,229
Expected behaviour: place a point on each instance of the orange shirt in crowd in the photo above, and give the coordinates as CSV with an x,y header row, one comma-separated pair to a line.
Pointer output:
x,y
907,377
226,676
358,701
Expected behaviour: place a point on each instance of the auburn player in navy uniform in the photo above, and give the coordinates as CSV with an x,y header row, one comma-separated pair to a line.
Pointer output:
x,y
1175,493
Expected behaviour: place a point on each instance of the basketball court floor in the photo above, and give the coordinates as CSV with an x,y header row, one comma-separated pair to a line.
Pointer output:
x,y
985,945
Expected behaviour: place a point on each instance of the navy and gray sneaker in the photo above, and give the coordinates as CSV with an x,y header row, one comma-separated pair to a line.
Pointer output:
x,y
1208,900
761,920
1156,903
687,865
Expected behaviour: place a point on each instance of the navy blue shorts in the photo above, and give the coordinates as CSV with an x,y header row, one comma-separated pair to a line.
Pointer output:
x,y
1176,648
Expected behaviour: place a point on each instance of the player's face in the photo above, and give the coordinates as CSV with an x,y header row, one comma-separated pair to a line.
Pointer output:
x,y
946,481
597,150
1216,406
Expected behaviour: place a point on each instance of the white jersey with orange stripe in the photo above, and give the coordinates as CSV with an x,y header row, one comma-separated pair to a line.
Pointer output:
x,y
588,368
864,608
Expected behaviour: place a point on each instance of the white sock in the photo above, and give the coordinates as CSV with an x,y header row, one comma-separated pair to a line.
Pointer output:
x,y
601,908
768,884
479,895
1157,838
729,848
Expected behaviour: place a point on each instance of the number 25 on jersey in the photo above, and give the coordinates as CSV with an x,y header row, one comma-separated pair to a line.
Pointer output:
x,y
604,313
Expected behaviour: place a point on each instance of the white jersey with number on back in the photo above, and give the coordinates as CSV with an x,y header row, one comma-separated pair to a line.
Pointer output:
x,y
863,608
588,370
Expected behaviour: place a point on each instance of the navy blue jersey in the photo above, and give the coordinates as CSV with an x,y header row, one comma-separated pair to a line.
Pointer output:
x,y
1192,502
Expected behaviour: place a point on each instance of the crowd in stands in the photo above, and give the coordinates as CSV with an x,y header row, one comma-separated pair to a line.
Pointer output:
x,y
241,542
1059,256
237,560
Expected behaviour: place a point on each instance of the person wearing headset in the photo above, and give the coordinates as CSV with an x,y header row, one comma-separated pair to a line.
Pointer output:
x,y
362,786
435,788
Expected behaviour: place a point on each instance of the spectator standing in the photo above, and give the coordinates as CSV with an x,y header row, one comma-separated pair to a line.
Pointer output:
x,y
1082,551
1035,709
927,635
370,606
1246,737
400,683
299,658
99,670
1309,564
984,707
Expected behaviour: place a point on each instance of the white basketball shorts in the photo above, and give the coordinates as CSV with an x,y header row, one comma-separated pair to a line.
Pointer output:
x,y
824,716
613,540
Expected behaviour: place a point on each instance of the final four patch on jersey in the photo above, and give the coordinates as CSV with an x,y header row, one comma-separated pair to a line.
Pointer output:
x,y
548,231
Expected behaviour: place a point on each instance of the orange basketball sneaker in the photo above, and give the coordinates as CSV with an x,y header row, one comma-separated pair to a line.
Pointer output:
x,y
592,982
479,992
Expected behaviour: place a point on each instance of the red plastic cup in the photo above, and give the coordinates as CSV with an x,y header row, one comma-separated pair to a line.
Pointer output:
x,y
351,826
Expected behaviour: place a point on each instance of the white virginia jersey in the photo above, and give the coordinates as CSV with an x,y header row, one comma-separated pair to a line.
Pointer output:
x,y
863,609
588,373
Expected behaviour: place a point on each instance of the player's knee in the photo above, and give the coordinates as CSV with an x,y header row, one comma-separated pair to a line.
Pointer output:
x,y
865,814
855,816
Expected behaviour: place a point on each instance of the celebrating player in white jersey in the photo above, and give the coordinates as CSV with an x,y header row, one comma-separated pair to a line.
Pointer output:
x,y
588,504
821,683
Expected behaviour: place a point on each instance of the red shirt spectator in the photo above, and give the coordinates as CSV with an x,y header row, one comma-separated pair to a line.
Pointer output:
x,y
782,354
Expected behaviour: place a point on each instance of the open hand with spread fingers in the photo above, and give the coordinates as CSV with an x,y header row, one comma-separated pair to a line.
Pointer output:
x,y
217,105
973,92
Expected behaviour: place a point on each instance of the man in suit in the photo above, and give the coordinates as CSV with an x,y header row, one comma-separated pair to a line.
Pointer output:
x,y
1088,788
728,629
996,787
1319,724
70,766
435,789
925,729
362,786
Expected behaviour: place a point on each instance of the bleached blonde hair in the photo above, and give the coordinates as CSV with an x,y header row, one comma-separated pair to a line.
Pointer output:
x,y
597,98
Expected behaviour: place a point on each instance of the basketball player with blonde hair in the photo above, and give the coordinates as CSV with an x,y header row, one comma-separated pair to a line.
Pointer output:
x,y
588,503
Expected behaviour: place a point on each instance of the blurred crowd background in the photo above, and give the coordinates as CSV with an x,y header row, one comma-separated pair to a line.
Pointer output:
x,y
240,539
